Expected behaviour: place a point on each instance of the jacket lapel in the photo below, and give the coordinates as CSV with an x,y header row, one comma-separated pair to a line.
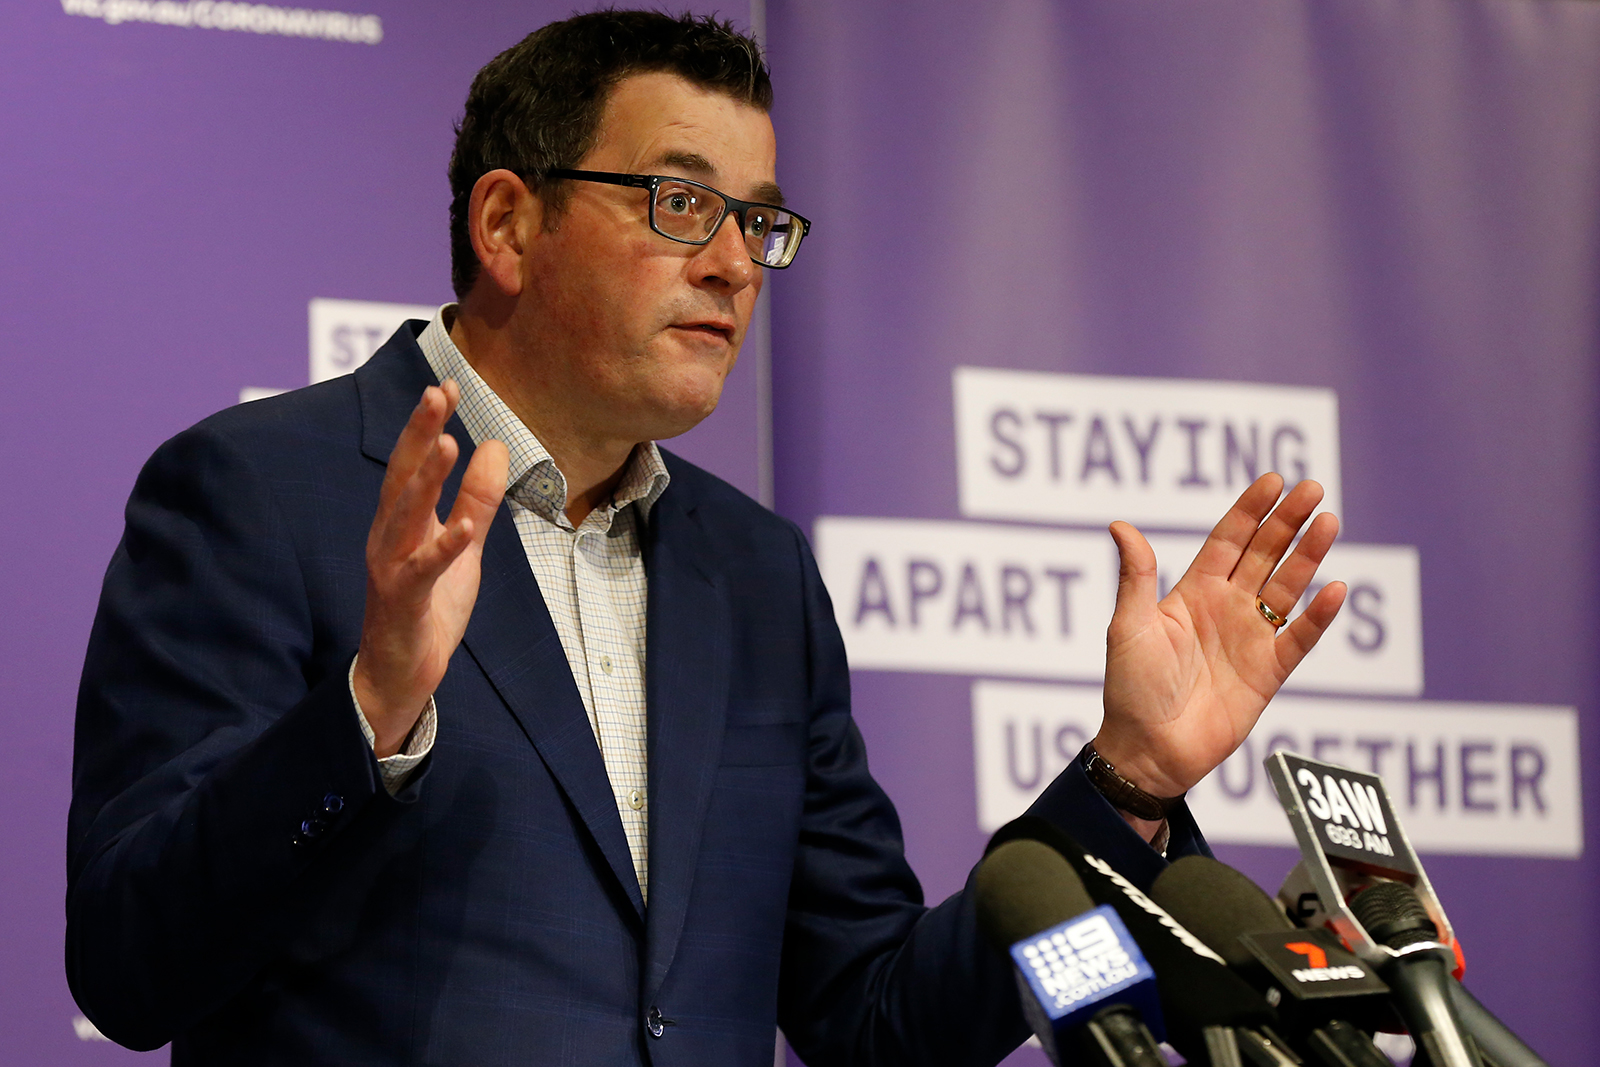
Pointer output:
x,y
688,653
511,636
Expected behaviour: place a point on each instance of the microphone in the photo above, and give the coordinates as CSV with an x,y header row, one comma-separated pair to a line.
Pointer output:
x,y
1350,841
1211,1015
1083,983
1496,1042
1326,997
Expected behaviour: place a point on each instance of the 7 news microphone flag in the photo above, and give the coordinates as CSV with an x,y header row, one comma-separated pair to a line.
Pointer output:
x,y
1327,999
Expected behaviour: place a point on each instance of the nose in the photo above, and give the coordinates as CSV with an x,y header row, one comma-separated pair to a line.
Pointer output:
x,y
724,263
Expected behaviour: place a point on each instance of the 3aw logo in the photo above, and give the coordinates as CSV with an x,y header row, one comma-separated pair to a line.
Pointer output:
x,y
1350,814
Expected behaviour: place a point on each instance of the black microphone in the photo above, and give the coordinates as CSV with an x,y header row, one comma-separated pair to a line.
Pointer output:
x,y
1326,997
1302,900
1084,986
1350,841
1211,1014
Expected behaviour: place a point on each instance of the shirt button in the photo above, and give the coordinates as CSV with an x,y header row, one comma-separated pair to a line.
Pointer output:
x,y
546,485
605,664
636,799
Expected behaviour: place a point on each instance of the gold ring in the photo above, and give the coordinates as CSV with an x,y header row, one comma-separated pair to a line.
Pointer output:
x,y
1267,613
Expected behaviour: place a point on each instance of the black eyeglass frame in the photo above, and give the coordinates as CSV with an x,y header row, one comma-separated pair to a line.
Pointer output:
x,y
652,182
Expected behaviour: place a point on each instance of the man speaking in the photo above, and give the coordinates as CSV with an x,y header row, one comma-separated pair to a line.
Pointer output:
x,y
434,715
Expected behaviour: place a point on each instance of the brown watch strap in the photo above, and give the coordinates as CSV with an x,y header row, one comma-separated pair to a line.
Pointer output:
x,y
1123,794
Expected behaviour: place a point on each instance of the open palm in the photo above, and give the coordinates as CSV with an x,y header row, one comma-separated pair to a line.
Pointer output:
x,y
1188,676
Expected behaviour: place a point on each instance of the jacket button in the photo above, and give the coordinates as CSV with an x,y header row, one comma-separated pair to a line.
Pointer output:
x,y
654,1024
332,804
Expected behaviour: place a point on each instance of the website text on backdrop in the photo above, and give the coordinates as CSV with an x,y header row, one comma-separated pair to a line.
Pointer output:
x,y
567,775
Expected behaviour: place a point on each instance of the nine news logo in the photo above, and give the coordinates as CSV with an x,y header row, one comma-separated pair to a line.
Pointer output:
x,y
1080,960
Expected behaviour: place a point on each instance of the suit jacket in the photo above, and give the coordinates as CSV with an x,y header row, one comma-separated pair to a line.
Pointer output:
x,y
241,884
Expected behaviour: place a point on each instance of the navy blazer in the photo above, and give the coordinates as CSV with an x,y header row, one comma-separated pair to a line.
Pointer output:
x,y
241,884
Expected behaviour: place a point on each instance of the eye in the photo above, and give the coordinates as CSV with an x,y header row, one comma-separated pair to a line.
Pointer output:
x,y
677,200
758,224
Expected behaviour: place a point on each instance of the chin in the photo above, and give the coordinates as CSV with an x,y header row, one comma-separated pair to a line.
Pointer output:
x,y
685,410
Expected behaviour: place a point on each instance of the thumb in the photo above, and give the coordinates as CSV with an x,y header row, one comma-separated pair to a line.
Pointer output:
x,y
1136,580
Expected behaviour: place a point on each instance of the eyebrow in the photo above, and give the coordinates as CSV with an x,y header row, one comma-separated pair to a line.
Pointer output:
x,y
700,166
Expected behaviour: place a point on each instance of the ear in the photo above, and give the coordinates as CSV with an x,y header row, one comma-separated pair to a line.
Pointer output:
x,y
503,217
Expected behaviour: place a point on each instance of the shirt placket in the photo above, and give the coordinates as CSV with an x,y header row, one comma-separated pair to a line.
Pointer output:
x,y
614,679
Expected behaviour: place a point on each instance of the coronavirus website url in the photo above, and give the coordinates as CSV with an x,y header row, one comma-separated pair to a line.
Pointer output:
x,y
245,18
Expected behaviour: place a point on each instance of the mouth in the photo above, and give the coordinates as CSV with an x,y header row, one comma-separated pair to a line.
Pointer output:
x,y
709,327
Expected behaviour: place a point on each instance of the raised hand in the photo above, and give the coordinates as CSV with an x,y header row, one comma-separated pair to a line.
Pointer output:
x,y
1187,678
422,574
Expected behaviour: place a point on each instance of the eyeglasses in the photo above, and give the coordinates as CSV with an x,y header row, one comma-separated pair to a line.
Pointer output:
x,y
692,213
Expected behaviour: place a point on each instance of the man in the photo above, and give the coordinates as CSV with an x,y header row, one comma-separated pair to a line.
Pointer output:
x,y
568,777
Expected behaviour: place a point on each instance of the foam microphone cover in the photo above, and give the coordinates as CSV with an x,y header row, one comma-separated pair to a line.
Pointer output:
x,y
1393,915
1024,887
1197,990
1218,904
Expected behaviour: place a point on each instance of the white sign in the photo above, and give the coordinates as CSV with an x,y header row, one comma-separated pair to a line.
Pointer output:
x,y
1167,453
1485,779
1017,601
345,333
969,598
1374,645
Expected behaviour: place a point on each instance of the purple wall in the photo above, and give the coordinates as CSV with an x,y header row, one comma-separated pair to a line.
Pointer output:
x,y
170,199
1392,198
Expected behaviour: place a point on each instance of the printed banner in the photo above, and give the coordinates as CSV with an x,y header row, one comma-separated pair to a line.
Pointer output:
x,y
1082,449
1028,602
1479,779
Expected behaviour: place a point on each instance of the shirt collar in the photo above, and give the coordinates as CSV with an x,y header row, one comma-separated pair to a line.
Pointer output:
x,y
533,479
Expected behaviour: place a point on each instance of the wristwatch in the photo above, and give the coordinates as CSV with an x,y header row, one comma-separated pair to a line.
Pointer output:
x,y
1123,794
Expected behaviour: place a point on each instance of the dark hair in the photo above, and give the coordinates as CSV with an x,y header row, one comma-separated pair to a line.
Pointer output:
x,y
536,107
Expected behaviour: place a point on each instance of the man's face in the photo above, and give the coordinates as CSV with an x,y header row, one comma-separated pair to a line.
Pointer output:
x,y
637,332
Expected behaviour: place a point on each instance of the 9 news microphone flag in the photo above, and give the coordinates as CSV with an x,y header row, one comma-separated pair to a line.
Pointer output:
x,y
1209,1011
1086,989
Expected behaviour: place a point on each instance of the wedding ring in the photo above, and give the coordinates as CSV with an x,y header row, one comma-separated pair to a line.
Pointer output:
x,y
1267,613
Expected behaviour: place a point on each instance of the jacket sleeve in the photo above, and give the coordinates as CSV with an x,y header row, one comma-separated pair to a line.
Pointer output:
x,y
870,976
217,758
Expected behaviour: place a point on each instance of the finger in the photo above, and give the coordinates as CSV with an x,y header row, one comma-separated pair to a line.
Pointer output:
x,y
1288,583
1231,536
482,487
412,517
1273,537
1302,635
431,559
417,438
1136,582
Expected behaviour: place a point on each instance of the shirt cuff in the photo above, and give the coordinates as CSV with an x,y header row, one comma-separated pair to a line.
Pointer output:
x,y
395,769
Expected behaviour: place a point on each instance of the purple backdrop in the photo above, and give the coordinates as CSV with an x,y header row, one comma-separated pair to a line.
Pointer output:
x,y
1392,198
170,201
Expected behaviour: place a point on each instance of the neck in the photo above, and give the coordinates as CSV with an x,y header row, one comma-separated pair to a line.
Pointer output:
x,y
592,465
